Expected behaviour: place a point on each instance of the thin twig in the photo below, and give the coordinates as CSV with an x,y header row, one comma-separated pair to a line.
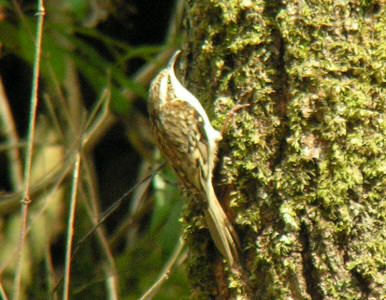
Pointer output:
x,y
109,211
26,201
137,202
102,122
70,226
165,274
2,291
98,124
6,261
112,287
50,271
109,268
106,214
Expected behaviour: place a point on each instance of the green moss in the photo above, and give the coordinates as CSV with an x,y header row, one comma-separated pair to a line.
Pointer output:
x,y
304,165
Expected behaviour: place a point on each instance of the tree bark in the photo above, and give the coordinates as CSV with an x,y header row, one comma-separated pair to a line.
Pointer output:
x,y
301,171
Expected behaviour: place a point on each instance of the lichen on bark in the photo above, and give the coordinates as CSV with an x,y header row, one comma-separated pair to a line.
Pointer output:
x,y
302,170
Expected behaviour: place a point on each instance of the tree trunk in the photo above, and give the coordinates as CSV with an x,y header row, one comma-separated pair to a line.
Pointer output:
x,y
301,171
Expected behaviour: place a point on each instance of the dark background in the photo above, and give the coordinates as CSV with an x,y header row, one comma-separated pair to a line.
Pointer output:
x,y
135,25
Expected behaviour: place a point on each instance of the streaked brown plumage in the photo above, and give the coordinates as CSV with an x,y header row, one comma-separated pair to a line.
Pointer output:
x,y
188,142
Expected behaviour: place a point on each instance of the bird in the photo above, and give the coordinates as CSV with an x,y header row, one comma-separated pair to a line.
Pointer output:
x,y
189,144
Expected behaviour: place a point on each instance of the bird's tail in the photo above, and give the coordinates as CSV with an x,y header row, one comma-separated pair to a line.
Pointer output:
x,y
221,229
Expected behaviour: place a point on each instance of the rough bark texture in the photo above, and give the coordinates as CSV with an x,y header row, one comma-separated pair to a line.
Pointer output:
x,y
302,170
